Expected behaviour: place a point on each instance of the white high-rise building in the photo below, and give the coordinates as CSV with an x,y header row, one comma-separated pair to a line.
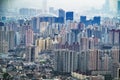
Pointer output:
x,y
45,6
113,5
118,6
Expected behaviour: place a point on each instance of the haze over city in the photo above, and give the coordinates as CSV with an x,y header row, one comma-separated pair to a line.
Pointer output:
x,y
59,39
76,5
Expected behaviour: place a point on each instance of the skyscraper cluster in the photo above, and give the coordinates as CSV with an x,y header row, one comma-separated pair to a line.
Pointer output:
x,y
88,46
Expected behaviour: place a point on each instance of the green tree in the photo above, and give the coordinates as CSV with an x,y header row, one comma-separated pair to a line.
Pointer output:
x,y
6,76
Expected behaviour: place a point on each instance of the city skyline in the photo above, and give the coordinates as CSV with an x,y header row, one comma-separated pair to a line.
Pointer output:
x,y
60,40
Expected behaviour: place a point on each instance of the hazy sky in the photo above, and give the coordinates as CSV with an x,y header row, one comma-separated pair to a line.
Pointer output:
x,y
65,4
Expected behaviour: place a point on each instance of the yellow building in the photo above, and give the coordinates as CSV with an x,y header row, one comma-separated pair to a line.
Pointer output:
x,y
39,44
44,44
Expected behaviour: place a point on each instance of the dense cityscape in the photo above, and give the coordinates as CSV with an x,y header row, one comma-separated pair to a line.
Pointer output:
x,y
55,44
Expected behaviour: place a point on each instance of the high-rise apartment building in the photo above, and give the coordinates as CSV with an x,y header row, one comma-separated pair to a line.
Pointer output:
x,y
84,44
40,44
93,59
31,54
44,44
114,37
17,38
25,27
29,37
115,54
106,62
3,39
11,39
83,61
105,59
3,42
48,44
65,60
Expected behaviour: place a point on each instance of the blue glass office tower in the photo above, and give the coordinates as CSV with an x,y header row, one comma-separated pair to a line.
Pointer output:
x,y
1,24
83,19
34,24
69,16
96,20
61,17
21,21
61,13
